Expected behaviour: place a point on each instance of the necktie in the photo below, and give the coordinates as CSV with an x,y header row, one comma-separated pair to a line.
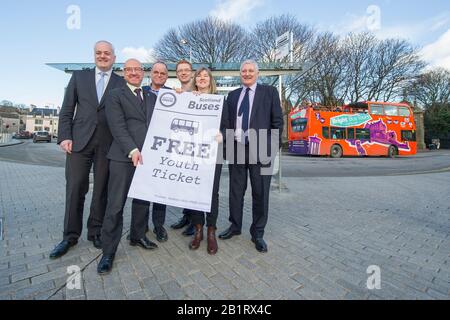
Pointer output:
x,y
138,94
101,86
244,111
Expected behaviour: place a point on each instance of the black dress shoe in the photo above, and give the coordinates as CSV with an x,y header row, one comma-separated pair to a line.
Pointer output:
x,y
62,248
189,231
260,244
105,265
181,223
97,241
228,234
161,234
144,243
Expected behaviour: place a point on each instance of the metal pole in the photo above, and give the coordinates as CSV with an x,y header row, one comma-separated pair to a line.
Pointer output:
x,y
280,84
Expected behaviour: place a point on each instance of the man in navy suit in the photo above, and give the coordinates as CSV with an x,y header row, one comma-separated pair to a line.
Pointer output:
x,y
84,135
129,113
256,117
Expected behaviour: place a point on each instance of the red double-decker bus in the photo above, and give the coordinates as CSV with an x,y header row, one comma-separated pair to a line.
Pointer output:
x,y
359,129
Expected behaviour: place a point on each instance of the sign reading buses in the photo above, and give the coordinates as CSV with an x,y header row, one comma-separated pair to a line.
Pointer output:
x,y
360,129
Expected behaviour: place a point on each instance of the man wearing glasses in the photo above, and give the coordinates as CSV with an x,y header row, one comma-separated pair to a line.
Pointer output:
x,y
84,136
129,112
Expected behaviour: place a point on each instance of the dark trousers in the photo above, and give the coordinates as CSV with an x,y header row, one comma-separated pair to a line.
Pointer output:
x,y
121,174
198,217
158,215
260,195
78,167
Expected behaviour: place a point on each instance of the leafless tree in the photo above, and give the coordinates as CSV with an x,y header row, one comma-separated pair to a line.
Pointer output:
x,y
265,34
359,57
327,78
209,40
396,64
432,88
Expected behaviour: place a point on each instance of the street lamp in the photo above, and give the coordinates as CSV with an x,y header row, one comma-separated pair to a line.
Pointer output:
x,y
185,42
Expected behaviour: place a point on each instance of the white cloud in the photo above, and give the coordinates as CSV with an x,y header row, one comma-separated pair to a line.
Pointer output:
x,y
235,10
141,53
438,52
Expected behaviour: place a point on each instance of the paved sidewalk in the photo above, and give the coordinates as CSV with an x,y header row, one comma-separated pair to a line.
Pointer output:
x,y
323,234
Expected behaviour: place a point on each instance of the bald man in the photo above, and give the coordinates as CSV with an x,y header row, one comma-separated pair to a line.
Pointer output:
x,y
129,112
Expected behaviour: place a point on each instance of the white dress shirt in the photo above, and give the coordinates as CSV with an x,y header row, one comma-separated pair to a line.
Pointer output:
x,y
98,77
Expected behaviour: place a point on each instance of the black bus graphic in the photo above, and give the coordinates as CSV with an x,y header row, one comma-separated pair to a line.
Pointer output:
x,y
184,125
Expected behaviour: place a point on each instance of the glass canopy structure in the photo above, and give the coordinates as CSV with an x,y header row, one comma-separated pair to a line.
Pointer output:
x,y
226,74
218,69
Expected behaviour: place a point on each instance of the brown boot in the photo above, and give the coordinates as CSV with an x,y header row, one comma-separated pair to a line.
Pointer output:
x,y
212,242
198,237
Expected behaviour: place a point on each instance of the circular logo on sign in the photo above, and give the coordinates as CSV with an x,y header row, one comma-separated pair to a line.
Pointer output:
x,y
168,99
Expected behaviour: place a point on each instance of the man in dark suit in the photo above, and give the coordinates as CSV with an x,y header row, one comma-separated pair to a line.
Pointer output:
x,y
85,137
256,117
159,75
129,113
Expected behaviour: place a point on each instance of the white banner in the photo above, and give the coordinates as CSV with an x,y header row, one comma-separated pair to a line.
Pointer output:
x,y
180,151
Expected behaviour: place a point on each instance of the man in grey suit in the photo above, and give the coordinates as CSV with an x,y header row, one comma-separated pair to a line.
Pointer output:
x,y
253,108
129,112
85,137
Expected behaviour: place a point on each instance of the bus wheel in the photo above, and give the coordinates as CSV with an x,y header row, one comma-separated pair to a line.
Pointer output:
x,y
336,151
392,152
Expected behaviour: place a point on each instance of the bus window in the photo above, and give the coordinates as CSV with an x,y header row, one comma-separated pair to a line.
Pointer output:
x,y
363,134
337,133
376,109
350,133
408,135
326,132
390,110
299,125
403,112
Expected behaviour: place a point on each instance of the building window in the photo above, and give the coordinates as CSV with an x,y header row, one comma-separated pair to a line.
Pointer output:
x,y
38,121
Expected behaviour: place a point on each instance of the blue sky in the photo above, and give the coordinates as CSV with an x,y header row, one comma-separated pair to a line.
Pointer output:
x,y
35,32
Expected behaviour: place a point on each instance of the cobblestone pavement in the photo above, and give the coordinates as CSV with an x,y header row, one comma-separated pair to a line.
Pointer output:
x,y
323,234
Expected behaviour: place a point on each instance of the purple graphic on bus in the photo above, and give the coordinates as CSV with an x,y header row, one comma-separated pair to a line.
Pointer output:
x,y
314,145
360,148
380,134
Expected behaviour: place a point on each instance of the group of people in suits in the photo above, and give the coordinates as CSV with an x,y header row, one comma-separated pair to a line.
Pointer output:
x,y
103,123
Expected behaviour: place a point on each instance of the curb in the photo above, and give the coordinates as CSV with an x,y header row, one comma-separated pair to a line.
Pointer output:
x,y
10,144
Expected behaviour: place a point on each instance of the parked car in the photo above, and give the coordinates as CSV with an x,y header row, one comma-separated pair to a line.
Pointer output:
x,y
23,135
42,136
